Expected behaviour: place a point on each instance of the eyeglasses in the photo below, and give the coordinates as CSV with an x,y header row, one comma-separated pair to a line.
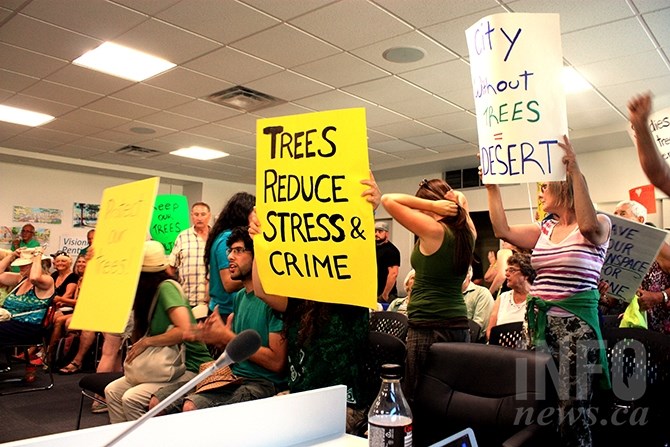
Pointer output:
x,y
511,270
27,231
236,250
60,253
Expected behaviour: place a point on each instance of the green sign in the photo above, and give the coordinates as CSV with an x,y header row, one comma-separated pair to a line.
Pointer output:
x,y
170,217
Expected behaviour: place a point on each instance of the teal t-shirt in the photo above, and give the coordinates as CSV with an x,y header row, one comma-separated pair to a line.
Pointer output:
x,y
218,260
252,313
169,297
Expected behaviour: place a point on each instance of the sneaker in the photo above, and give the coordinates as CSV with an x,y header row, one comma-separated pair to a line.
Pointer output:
x,y
98,407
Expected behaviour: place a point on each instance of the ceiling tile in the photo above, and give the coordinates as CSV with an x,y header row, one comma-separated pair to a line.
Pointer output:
x,y
122,138
4,13
61,93
380,116
452,121
167,41
340,70
8,130
97,143
288,86
96,119
588,100
287,9
151,7
421,106
204,110
405,129
658,24
434,11
233,66
393,146
335,99
585,119
285,46
452,32
96,18
74,127
188,82
605,42
218,132
172,120
51,135
74,151
385,90
650,5
281,110
620,94
243,121
433,140
15,82
42,37
152,96
441,78
348,24
577,14
610,72
27,143
90,80
223,21
39,105
158,130
28,62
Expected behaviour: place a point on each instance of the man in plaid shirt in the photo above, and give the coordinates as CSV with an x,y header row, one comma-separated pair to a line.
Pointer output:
x,y
187,257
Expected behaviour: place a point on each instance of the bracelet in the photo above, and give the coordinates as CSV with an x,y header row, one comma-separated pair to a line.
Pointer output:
x,y
665,297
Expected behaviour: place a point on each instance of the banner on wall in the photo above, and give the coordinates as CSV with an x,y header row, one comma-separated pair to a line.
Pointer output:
x,y
72,245
170,217
646,195
318,238
109,285
516,61
632,249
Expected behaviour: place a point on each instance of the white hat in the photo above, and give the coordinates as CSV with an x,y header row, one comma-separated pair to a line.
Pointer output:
x,y
26,257
154,257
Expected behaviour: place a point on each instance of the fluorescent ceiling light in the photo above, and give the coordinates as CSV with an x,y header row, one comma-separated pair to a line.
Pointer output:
x,y
24,117
573,82
123,62
199,153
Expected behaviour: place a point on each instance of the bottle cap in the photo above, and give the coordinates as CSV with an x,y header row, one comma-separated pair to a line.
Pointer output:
x,y
391,371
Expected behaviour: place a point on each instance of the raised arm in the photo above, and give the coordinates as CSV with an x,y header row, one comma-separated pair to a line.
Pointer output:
x,y
653,165
9,279
594,227
409,212
523,236
42,282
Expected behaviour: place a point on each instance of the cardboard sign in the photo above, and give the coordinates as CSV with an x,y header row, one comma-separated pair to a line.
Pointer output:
x,y
108,290
170,217
318,237
632,249
516,61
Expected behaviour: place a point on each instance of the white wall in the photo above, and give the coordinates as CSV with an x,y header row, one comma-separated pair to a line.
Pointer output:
x,y
50,188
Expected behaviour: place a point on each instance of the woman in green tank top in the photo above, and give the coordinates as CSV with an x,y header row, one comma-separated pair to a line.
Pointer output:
x,y
439,217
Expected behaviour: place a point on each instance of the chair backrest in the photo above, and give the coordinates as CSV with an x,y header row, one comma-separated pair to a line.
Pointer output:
x,y
382,348
475,331
508,335
494,390
389,322
610,322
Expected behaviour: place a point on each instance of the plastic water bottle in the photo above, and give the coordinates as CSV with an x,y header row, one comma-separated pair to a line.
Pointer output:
x,y
390,418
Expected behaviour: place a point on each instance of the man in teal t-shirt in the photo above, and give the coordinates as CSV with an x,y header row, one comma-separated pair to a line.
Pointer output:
x,y
262,373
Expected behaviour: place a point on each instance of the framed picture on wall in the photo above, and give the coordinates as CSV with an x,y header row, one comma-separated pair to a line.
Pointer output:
x,y
85,214
37,215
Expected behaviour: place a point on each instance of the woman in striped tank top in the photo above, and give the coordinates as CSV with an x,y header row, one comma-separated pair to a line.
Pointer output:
x,y
568,252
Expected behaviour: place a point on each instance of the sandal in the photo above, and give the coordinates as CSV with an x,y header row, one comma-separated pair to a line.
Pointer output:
x,y
72,368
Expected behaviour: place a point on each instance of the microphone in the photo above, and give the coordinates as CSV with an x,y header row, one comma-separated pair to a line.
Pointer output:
x,y
240,348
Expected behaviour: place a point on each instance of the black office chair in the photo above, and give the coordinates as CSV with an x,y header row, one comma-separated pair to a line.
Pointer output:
x,y
508,335
93,385
40,341
610,322
475,331
389,322
475,385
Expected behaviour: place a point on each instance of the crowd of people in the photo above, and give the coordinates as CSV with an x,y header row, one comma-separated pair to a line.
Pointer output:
x,y
546,276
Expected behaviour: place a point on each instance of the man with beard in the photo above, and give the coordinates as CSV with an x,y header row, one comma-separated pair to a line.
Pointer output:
x,y
388,263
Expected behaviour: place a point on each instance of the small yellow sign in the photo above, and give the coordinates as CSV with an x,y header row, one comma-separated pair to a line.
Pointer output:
x,y
108,290
317,238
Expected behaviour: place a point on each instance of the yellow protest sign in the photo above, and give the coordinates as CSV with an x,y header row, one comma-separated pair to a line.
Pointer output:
x,y
317,238
108,290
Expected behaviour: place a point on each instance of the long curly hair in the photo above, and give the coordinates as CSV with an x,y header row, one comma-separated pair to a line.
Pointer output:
x,y
146,289
436,189
234,214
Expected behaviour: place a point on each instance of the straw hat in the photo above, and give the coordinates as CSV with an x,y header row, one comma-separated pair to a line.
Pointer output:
x,y
218,379
154,257
26,257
